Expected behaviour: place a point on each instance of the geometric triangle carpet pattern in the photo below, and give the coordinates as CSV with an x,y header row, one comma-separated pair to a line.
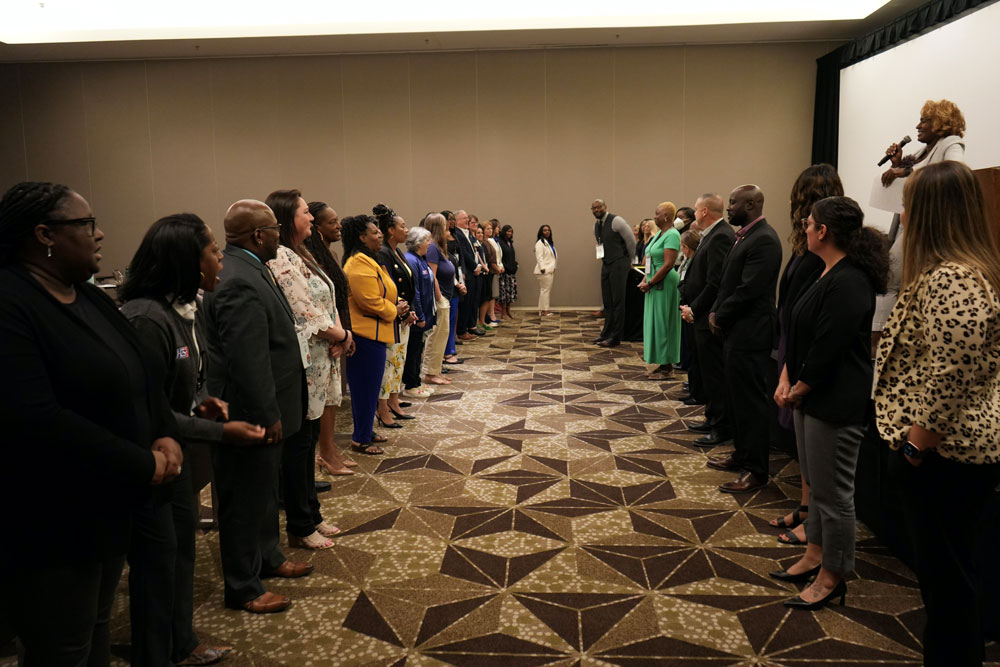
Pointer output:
x,y
549,508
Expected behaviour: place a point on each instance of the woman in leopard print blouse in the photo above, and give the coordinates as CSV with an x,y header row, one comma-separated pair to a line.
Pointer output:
x,y
937,399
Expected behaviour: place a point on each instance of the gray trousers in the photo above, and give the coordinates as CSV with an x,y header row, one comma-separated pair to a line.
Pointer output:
x,y
828,456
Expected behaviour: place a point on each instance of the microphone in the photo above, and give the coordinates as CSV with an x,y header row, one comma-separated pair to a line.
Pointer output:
x,y
885,158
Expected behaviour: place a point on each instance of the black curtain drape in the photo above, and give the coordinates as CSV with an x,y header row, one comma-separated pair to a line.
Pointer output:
x,y
827,108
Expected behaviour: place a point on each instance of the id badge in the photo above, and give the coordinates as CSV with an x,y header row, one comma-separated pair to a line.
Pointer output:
x,y
600,251
649,266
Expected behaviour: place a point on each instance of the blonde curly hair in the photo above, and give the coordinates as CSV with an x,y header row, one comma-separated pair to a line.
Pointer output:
x,y
946,118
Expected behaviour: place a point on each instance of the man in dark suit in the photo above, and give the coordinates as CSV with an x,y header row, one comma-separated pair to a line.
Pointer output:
x,y
468,305
698,293
745,316
256,366
615,249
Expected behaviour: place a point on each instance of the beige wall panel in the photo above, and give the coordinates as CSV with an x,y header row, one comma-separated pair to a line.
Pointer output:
x,y
115,102
649,130
511,170
580,148
247,106
311,132
377,138
55,135
182,140
13,168
443,121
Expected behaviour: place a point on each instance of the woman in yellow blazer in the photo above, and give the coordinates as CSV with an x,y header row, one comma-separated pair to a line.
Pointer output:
x,y
374,311
937,400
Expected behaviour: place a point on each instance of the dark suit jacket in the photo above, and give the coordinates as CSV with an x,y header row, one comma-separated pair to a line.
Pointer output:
x,y
829,344
701,282
254,358
744,307
76,451
466,253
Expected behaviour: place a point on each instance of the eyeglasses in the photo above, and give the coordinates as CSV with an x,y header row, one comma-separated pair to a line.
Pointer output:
x,y
75,221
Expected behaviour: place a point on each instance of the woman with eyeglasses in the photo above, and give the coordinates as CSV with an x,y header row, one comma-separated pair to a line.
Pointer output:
x,y
82,404
177,257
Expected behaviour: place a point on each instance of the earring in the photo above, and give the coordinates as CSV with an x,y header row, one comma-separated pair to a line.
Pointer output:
x,y
48,252
202,274
258,242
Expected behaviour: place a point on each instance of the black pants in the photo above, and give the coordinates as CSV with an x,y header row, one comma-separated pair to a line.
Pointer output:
x,y
945,505
161,575
61,612
247,480
414,355
470,302
614,275
298,470
747,405
711,378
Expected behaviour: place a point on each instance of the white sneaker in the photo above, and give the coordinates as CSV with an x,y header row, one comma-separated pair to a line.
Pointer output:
x,y
418,392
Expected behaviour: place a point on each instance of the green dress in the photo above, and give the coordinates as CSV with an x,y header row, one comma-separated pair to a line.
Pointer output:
x,y
661,324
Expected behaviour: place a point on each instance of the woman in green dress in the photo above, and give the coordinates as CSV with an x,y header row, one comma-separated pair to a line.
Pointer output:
x,y
661,326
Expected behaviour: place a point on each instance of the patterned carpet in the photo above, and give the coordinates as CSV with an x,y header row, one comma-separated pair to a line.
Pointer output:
x,y
548,508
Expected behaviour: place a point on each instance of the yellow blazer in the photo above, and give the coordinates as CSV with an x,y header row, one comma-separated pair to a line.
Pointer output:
x,y
938,364
372,299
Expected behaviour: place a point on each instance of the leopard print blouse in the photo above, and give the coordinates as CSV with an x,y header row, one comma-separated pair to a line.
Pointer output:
x,y
938,364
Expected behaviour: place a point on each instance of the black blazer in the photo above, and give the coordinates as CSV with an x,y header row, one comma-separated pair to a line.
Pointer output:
x,y
395,265
744,307
74,444
701,282
466,252
254,358
829,344
508,257
790,288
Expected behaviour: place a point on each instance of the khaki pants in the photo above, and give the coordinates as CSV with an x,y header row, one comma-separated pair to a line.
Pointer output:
x,y
437,339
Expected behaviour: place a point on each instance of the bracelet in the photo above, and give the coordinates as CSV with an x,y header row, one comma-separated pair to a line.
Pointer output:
x,y
346,335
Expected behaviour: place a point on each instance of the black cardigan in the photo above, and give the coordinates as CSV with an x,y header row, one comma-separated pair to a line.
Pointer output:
x,y
829,344
396,266
508,257
70,438
791,287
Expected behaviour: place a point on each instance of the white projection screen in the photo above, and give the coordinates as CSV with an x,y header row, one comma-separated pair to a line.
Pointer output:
x,y
880,99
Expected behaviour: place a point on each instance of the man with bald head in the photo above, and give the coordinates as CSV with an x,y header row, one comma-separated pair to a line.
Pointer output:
x,y
744,315
255,364
698,291
615,249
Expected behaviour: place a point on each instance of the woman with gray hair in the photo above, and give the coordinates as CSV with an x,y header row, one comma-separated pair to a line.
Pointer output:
x,y
424,304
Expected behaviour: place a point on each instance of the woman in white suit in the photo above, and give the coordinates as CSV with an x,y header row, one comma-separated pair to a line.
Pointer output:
x,y
545,267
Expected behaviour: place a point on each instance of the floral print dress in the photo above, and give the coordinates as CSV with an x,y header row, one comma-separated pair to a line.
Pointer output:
x,y
311,296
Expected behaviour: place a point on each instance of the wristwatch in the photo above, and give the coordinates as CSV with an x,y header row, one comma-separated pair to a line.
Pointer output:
x,y
912,450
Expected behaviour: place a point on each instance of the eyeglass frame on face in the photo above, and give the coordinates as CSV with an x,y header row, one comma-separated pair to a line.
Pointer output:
x,y
75,221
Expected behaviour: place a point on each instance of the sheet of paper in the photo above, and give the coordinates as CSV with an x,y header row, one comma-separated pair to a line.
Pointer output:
x,y
887,198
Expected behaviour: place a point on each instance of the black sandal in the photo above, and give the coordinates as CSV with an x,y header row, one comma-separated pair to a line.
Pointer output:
x,y
399,415
369,448
780,521
790,538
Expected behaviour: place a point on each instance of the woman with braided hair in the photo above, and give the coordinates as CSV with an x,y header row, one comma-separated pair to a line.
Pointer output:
x,y
81,404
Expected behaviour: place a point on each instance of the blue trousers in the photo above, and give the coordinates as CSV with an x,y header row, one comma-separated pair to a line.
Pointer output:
x,y
364,376
449,349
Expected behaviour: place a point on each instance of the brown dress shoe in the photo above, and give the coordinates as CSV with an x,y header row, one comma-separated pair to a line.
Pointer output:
x,y
290,570
268,603
724,463
745,483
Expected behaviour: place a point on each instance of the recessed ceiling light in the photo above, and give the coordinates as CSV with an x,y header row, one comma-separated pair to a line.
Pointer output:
x,y
49,21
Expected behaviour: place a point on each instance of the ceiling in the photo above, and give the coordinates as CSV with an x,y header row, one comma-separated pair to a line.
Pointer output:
x,y
806,31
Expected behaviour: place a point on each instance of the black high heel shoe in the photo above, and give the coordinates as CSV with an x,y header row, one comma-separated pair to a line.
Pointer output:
x,y
783,575
398,415
840,590
384,425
